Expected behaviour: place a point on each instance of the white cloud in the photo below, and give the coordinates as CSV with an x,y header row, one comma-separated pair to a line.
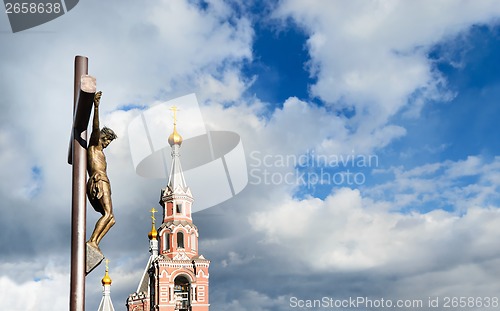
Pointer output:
x,y
236,259
470,166
16,178
450,184
137,53
226,89
373,56
50,286
348,233
252,300
349,230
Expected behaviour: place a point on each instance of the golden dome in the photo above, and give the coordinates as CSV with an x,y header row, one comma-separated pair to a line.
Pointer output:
x,y
175,138
106,280
153,233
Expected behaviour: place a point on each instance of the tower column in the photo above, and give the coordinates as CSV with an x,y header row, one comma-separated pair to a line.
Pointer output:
x,y
172,296
193,292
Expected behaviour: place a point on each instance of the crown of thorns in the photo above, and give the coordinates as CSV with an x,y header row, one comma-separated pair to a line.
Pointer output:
x,y
107,132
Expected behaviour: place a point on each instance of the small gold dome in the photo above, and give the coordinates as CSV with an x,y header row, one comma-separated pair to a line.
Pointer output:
x,y
153,234
106,280
175,138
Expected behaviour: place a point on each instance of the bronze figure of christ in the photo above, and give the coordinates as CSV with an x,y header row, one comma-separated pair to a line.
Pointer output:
x,y
98,186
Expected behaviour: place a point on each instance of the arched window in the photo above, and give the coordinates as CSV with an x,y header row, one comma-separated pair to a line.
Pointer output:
x,y
182,288
166,241
180,240
193,241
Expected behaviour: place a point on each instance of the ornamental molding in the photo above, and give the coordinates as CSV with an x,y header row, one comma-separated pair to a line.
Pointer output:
x,y
181,256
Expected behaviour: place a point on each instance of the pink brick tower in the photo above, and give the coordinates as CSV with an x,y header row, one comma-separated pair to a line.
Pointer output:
x,y
176,276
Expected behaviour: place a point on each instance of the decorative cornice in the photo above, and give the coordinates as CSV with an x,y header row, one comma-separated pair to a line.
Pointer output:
x,y
181,256
177,223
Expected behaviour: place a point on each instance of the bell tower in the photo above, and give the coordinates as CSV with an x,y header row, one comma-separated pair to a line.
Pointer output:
x,y
178,234
176,273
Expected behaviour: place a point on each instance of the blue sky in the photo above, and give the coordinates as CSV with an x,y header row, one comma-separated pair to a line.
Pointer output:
x,y
451,129
280,73
414,84
465,124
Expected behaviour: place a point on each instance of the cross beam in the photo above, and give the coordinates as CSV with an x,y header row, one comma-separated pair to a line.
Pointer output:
x,y
83,98
153,211
174,109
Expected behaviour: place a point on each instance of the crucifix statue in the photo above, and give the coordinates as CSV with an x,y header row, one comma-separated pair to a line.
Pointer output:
x,y
87,158
98,186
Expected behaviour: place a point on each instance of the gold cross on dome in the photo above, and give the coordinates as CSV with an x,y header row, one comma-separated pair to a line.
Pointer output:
x,y
153,211
174,110
107,264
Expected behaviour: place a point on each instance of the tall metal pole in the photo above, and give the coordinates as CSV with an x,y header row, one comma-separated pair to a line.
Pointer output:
x,y
78,211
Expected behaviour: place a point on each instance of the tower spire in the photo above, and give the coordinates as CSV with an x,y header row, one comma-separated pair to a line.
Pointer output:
x,y
175,138
153,235
176,178
106,303
106,280
176,275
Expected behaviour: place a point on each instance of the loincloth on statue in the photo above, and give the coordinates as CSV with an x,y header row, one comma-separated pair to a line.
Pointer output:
x,y
97,185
